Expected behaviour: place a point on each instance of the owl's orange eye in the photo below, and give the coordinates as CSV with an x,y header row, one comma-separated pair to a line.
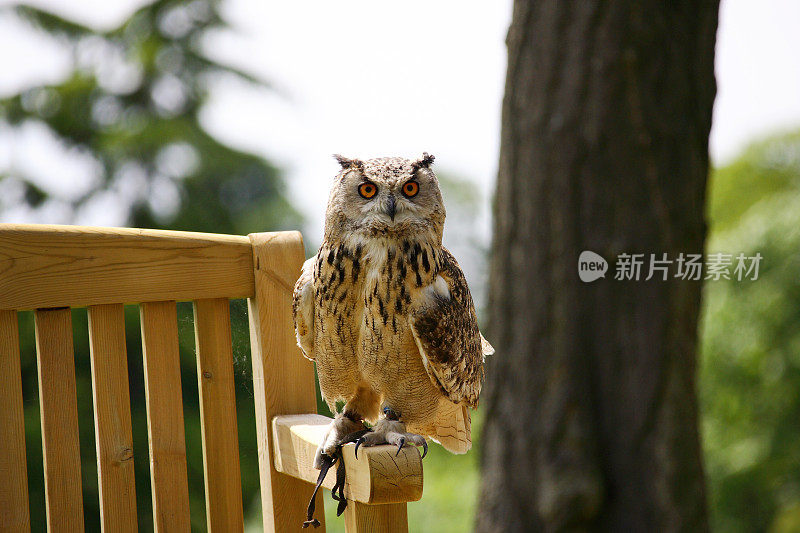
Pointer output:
x,y
410,189
367,190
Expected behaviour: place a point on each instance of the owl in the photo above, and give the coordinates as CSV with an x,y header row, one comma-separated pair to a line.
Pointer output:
x,y
385,312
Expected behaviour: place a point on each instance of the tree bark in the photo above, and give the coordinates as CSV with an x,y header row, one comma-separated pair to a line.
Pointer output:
x,y
590,402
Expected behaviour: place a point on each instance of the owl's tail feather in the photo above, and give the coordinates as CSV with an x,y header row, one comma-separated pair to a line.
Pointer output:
x,y
453,427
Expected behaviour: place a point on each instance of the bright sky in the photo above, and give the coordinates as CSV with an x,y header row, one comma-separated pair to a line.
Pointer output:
x,y
368,78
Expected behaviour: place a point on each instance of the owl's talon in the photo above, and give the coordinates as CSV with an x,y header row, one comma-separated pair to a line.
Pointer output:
x,y
424,448
400,445
359,442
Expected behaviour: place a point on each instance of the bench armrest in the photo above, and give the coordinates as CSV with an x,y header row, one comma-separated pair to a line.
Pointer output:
x,y
376,477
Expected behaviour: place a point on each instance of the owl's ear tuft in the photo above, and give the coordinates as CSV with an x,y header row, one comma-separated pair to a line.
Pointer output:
x,y
348,163
424,162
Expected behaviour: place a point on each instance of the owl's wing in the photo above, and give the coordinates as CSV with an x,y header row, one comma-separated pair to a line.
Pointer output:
x,y
303,309
446,331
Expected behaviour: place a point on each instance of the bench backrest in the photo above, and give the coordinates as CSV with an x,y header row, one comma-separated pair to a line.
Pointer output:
x,y
51,269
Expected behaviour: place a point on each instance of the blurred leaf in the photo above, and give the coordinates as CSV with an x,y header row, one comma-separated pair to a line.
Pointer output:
x,y
51,23
33,194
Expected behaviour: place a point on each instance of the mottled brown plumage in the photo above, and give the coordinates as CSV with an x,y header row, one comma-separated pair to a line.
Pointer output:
x,y
385,310
447,335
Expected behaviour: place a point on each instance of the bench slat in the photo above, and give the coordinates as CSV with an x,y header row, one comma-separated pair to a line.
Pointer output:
x,y
59,414
77,266
14,514
165,416
112,418
218,415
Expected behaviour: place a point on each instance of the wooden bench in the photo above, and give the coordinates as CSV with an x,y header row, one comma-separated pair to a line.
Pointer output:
x,y
51,269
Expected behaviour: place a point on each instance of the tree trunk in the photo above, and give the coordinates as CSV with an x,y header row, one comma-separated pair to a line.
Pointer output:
x,y
590,402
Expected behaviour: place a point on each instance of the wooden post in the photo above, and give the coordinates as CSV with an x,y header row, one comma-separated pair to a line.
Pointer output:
x,y
387,518
283,381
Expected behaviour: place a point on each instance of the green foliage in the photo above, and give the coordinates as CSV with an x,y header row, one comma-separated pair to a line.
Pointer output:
x,y
750,363
132,104
765,168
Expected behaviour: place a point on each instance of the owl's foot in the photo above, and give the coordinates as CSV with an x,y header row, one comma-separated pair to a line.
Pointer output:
x,y
344,428
390,430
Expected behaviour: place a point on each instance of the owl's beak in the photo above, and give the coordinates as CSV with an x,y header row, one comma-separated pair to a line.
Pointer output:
x,y
390,206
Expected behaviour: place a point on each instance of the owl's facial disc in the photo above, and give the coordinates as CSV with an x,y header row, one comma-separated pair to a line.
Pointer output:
x,y
400,206
385,198
382,208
